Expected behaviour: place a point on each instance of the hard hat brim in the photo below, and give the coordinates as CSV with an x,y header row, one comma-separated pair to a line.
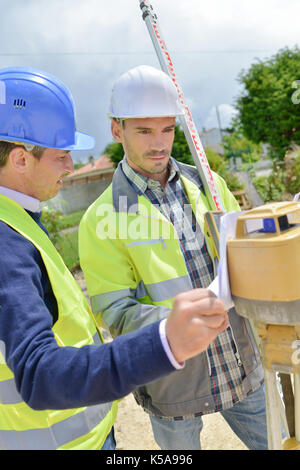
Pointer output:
x,y
145,116
82,142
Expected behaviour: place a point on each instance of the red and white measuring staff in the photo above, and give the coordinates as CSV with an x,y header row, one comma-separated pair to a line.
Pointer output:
x,y
187,123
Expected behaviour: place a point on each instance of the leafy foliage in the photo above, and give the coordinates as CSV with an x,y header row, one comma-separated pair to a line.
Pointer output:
x,y
180,150
219,165
51,220
282,183
68,249
267,111
67,243
78,164
270,188
55,221
114,152
292,174
237,145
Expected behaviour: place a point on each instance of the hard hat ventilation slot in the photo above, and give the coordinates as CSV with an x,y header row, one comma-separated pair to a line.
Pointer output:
x,y
19,103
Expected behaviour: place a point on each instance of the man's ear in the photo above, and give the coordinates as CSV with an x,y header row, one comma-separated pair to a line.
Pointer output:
x,y
116,130
19,159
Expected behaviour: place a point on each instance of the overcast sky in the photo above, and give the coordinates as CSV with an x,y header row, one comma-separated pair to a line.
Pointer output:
x,y
89,43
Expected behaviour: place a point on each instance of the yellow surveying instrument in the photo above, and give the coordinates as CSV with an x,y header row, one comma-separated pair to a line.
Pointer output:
x,y
264,270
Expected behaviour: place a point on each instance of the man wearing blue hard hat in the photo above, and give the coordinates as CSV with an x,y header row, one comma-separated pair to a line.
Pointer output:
x,y
58,382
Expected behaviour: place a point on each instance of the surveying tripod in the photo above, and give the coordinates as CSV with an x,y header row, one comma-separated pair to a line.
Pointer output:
x,y
278,349
275,342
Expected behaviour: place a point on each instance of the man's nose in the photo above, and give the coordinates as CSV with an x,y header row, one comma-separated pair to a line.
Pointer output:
x,y
158,143
69,167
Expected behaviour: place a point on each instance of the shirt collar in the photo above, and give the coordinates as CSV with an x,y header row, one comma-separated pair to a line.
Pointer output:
x,y
143,182
27,202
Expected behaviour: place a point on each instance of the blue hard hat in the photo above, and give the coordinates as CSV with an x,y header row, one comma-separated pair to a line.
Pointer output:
x,y
36,108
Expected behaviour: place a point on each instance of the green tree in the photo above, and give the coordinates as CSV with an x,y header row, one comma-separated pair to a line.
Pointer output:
x,y
114,152
237,145
180,150
268,110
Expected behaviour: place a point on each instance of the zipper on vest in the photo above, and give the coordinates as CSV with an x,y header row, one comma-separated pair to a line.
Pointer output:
x,y
237,354
238,358
208,363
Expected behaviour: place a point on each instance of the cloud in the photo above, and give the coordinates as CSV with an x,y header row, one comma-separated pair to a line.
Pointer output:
x,y
226,114
88,44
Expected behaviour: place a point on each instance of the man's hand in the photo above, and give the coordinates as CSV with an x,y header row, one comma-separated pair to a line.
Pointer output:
x,y
196,318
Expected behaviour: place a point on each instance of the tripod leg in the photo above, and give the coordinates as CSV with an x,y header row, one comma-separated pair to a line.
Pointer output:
x,y
288,398
273,411
297,405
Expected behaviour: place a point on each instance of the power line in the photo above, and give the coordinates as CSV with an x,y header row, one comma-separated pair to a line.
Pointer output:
x,y
213,51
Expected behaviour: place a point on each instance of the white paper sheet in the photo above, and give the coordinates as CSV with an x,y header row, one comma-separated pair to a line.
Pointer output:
x,y
221,286
214,286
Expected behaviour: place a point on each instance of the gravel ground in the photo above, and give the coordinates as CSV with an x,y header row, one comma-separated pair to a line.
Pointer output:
x,y
133,430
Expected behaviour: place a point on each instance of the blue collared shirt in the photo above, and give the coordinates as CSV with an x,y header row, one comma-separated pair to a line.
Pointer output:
x,y
27,202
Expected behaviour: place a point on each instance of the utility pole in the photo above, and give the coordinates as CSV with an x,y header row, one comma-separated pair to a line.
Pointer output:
x,y
219,123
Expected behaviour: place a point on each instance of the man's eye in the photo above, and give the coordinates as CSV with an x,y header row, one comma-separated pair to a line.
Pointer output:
x,y
144,131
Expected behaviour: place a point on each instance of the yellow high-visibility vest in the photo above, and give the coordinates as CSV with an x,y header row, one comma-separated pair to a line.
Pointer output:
x,y
142,245
21,427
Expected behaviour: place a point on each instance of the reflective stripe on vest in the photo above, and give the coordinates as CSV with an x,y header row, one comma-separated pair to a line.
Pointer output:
x,y
9,394
21,426
157,291
56,435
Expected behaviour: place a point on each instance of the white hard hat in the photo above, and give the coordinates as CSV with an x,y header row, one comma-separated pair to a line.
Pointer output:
x,y
143,92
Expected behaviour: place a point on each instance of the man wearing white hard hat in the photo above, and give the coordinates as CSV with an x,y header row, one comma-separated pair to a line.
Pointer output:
x,y
141,244
59,384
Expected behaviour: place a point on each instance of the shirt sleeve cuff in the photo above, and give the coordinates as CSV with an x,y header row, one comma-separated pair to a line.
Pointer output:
x,y
164,340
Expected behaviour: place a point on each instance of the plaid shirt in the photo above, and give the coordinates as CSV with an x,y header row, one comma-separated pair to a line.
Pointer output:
x,y
226,369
